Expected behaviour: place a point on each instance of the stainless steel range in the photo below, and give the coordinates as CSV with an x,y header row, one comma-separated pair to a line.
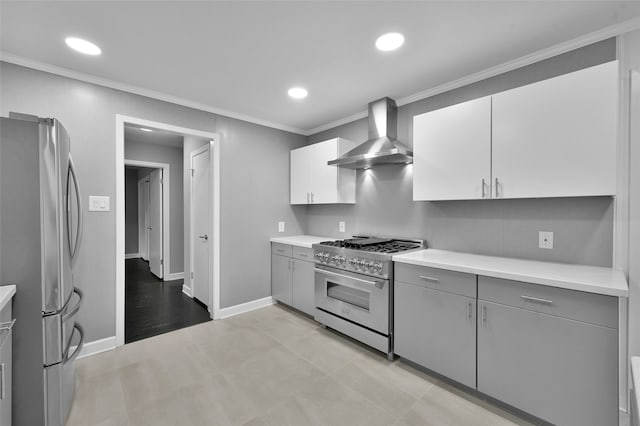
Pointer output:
x,y
354,287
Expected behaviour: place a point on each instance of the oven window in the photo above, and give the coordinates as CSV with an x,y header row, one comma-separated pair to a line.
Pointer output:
x,y
348,295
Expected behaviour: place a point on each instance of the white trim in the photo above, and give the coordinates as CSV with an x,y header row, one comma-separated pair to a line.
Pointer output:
x,y
245,307
187,290
174,276
120,222
143,240
567,46
97,346
137,90
132,255
594,37
215,161
166,209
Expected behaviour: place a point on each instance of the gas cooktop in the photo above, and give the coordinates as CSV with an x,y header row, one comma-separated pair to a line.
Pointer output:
x,y
375,244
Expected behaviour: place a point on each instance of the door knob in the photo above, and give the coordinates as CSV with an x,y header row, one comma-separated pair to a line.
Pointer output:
x,y
204,237
148,227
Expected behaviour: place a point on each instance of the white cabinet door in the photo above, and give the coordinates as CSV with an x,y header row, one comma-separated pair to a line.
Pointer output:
x,y
300,175
452,152
557,137
324,178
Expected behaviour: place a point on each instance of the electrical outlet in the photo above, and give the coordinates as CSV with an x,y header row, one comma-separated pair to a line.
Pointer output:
x,y
280,226
545,240
98,203
341,226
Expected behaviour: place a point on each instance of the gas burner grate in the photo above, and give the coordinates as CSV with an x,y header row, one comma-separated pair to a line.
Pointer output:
x,y
377,245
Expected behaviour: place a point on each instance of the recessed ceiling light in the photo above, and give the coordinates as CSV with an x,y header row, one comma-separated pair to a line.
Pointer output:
x,y
82,46
389,41
298,92
144,129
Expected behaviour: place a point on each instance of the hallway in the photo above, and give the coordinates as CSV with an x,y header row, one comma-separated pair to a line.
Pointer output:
x,y
153,306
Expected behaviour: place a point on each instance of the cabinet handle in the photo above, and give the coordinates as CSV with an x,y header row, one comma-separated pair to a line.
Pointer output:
x,y
484,314
2,390
289,264
312,197
497,188
469,310
433,280
484,194
307,198
537,300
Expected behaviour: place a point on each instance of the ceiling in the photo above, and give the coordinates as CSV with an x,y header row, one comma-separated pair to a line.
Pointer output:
x,y
239,58
133,133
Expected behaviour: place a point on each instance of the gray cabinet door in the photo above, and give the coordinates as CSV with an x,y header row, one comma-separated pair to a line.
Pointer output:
x,y
281,278
5,366
437,330
563,371
303,286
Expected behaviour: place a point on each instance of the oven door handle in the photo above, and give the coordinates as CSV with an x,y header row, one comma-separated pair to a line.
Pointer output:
x,y
377,284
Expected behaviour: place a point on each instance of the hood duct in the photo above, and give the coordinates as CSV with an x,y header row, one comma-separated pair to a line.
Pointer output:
x,y
382,147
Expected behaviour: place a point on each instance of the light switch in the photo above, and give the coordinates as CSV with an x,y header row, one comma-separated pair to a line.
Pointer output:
x,y
98,203
280,226
545,240
341,226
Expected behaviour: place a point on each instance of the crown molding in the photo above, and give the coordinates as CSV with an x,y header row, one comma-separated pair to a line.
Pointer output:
x,y
88,78
576,43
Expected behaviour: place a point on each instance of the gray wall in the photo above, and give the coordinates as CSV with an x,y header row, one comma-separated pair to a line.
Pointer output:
x,y
583,227
255,177
191,143
131,211
173,156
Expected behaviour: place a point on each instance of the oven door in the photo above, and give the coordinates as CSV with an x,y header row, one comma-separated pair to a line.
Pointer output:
x,y
358,298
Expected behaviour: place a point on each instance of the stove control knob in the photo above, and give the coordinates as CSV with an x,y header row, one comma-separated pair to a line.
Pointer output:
x,y
378,267
352,262
368,264
341,260
360,263
335,258
326,257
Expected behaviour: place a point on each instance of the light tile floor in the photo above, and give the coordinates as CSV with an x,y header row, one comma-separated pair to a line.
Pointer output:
x,y
271,366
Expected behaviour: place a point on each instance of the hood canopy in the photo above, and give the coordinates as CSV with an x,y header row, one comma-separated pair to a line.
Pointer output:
x,y
382,147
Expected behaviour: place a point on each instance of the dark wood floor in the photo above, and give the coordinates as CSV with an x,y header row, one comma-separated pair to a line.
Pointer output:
x,y
153,306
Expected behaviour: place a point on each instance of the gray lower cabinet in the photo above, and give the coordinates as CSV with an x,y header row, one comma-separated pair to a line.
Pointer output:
x,y
6,328
556,368
437,330
292,276
281,278
303,286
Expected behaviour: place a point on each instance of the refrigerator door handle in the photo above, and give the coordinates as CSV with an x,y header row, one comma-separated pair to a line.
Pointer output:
x,y
71,312
71,357
76,244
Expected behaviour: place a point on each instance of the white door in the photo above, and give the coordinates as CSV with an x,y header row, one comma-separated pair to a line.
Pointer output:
x,y
155,223
557,137
200,231
143,218
299,176
452,152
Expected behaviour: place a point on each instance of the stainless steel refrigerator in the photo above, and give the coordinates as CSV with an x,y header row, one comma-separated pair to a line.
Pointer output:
x,y
40,232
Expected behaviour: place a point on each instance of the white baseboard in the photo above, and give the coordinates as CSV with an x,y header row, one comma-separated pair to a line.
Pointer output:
x,y
97,346
245,307
132,255
187,290
175,276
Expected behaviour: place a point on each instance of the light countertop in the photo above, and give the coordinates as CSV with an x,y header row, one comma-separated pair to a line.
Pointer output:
x,y
300,240
591,279
6,293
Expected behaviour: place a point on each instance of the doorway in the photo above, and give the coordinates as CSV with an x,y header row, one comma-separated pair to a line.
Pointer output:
x,y
152,264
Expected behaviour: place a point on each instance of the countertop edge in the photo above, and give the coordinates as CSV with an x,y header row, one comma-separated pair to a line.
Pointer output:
x,y
616,290
300,240
6,294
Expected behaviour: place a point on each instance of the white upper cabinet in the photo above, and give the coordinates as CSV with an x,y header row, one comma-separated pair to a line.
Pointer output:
x,y
452,152
314,182
557,138
553,138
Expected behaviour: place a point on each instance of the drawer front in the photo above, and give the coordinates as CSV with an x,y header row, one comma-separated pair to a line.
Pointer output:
x,y
577,305
439,279
303,253
281,249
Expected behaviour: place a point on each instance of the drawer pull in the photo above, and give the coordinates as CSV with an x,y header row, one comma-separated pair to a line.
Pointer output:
x,y
537,300
433,280
469,311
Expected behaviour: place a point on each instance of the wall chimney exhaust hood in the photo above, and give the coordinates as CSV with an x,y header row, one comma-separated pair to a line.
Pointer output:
x,y
382,147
